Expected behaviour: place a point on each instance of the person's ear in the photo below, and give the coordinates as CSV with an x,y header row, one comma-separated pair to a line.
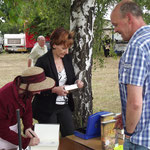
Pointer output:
x,y
129,17
54,46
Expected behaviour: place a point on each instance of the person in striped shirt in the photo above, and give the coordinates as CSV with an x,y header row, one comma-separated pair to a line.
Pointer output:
x,y
134,75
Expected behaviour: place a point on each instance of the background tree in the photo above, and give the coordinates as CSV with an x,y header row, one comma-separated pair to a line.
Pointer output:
x,y
102,7
43,16
145,6
48,15
82,22
10,21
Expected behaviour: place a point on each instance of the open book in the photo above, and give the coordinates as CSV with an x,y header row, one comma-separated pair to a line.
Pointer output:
x,y
49,136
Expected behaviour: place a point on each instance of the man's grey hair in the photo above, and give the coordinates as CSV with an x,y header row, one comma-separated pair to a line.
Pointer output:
x,y
131,7
40,37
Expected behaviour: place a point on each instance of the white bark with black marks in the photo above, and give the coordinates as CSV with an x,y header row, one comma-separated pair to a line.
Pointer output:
x,y
82,22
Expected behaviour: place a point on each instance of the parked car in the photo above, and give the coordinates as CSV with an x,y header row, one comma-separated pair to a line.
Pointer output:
x,y
120,47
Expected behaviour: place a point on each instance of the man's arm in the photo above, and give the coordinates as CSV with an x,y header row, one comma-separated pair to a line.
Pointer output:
x,y
32,56
133,107
29,62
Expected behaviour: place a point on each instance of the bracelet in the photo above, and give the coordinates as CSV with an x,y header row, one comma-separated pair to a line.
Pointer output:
x,y
127,133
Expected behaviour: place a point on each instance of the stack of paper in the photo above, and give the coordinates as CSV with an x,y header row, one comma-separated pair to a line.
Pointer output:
x,y
49,136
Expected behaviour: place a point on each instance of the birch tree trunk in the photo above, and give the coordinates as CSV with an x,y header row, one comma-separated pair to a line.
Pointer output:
x,y
82,22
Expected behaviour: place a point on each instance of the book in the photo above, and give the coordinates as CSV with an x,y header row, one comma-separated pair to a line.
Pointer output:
x,y
71,87
107,117
108,134
121,136
48,135
120,131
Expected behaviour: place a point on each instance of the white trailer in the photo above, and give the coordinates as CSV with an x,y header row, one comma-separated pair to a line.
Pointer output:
x,y
14,42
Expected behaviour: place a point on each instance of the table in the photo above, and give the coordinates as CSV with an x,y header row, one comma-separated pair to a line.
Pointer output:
x,y
73,142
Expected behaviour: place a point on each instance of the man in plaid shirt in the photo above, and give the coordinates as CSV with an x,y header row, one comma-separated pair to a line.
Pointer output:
x,y
134,75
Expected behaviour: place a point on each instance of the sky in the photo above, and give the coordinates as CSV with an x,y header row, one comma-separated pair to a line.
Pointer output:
x,y
107,16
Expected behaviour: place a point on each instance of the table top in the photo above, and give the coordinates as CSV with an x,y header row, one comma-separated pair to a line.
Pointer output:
x,y
94,143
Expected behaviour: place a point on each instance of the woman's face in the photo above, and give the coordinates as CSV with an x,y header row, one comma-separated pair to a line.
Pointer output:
x,y
60,50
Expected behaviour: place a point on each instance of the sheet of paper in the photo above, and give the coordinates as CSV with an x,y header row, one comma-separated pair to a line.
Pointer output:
x,y
71,87
49,136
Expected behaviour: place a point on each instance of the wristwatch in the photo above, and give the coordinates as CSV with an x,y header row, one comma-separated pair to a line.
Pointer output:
x,y
127,133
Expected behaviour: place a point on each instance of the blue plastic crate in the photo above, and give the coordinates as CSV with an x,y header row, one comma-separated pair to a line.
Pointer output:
x,y
93,127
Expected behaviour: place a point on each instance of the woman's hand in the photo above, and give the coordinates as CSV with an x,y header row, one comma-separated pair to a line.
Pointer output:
x,y
60,90
34,141
79,83
30,133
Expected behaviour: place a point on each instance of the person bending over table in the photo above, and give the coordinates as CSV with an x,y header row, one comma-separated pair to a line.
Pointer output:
x,y
18,95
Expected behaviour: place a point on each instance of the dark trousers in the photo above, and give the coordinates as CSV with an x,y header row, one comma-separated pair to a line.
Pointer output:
x,y
63,117
106,52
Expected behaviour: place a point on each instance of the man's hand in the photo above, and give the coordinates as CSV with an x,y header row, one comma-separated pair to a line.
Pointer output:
x,y
118,124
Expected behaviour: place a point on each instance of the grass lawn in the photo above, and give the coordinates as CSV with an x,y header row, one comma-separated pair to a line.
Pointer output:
x,y
104,80
105,86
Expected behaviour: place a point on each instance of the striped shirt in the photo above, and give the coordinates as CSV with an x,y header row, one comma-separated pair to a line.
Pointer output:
x,y
134,69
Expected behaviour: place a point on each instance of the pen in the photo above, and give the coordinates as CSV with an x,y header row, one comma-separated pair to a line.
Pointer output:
x,y
31,133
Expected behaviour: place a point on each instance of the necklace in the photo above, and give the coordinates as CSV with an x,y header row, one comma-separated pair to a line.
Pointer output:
x,y
59,65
